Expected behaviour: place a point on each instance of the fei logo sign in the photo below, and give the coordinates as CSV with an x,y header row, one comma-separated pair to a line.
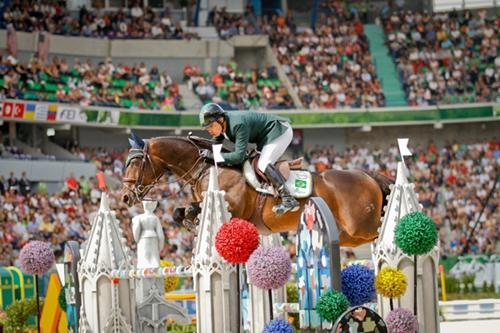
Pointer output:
x,y
71,114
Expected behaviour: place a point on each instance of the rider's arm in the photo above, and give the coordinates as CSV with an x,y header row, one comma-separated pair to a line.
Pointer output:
x,y
242,136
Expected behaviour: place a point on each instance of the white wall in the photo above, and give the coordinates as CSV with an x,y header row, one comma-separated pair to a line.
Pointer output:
x,y
48,171
169,55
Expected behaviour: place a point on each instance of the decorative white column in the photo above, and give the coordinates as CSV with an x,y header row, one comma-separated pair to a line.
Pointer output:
x,y
403,200
215,280
106,306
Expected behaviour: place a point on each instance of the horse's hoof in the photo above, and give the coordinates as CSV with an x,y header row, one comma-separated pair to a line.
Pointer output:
x,y
189,225
281,209
278,211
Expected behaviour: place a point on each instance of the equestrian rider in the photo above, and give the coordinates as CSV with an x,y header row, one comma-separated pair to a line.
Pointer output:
x,y
271,134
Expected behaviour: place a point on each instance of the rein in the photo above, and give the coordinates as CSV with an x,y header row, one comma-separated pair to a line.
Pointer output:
x,y
139,190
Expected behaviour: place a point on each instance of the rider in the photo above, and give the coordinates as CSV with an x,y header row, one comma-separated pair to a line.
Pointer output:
x,y
271,134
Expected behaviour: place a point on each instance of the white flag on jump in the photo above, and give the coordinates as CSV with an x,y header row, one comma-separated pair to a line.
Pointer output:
x,y
403,147
217,153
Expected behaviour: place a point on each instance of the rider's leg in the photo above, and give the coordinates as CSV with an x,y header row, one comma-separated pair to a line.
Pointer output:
x,y
269,155
288,202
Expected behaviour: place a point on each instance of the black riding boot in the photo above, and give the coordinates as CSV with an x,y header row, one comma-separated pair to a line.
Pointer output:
x,y
288,202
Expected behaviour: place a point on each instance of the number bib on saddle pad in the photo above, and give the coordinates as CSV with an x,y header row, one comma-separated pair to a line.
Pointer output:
x,y
299,183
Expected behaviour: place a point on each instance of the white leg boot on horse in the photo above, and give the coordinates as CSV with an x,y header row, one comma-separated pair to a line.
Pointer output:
x,y
288,202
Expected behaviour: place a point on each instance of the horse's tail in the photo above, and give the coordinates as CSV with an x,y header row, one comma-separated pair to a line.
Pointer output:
x,y
384,182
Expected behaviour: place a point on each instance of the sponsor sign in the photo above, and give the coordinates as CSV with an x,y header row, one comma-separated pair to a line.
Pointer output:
x,y
70,114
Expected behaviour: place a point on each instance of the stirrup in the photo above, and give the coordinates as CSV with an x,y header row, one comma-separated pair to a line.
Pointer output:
x,y
281,208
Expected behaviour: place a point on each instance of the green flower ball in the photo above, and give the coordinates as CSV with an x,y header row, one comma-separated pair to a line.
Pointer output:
x,y
416,234
331,305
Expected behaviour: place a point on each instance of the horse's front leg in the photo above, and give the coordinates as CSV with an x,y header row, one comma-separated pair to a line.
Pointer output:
x,y
187,216
191,220
179,216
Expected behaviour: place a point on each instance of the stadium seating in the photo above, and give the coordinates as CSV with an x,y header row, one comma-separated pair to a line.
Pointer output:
x,y
445,58
101,85
234,89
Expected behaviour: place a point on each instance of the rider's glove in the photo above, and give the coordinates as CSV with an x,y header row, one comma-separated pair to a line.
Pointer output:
x,y
207,154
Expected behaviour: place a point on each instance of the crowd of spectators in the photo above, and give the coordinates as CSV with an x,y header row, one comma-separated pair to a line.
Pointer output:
x,y
135,22
331,66
108,160
230,24
103,84
66,215
446,57
452,183
234,89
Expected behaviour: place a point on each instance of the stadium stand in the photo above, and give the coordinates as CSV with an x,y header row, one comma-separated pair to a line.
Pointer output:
x,y
104,84
125,23
446,58
230,24
331,66
234,89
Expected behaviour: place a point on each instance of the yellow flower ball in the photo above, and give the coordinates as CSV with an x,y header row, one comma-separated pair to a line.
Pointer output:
x,y
391,282
170,282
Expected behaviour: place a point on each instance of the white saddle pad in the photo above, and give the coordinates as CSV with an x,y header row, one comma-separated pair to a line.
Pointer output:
x,y
300,183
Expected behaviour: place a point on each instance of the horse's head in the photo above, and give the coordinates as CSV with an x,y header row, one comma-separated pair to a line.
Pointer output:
x,y
149,159
141,172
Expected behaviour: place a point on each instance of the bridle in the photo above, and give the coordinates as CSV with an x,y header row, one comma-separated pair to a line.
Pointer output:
x,y
139,190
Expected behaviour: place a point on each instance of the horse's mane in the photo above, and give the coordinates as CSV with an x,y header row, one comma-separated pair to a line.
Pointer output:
x,y
201,143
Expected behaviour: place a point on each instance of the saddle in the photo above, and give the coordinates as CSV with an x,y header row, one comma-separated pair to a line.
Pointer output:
x,y
283,166
299,181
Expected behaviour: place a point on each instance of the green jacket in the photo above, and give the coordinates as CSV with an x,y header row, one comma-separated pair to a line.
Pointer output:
x,y
244,127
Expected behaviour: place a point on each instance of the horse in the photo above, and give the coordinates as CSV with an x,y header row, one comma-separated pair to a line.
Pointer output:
x,y
355,197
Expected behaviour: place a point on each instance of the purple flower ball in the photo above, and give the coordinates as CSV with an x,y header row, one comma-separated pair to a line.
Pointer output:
x,y
401,321
36,258
269,267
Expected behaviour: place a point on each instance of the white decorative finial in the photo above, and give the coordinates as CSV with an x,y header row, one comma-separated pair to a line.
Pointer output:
x,y
104,207
403,148
213,182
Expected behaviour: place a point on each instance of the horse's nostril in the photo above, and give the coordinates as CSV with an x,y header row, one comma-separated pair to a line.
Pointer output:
x,y
125,198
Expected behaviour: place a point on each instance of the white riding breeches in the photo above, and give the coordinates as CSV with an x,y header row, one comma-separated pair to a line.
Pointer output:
x,y
275,149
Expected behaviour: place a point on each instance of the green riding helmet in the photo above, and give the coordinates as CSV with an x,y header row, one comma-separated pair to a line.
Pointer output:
x,y
209,113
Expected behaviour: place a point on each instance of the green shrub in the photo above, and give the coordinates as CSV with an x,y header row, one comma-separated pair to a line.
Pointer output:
x,y
17,315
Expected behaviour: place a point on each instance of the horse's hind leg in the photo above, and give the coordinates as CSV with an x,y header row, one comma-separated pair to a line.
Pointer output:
x,y
191,215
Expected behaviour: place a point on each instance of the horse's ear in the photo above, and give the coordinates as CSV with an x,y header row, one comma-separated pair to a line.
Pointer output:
x,y
135,141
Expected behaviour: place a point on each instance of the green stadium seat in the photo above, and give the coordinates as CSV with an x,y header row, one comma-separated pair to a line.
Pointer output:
x,y
51,97
152,84
126,103
50,87
30,95
120,83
